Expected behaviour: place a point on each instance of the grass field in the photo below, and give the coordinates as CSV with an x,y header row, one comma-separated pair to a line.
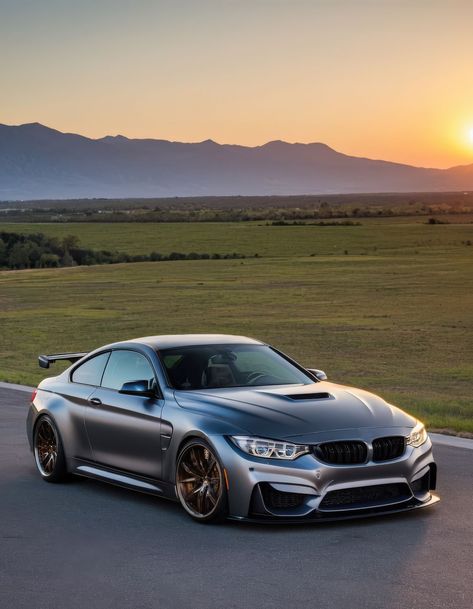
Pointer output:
x,y
395,315
390,236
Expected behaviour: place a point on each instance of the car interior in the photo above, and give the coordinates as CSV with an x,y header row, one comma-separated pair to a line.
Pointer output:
x,y
192,371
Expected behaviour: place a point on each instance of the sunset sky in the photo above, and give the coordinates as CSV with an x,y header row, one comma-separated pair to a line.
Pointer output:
x,y
377,78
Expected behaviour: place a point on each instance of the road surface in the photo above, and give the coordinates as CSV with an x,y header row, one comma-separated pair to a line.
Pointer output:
x,y
88,545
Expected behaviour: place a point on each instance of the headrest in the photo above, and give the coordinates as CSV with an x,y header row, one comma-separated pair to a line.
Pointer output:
x,y
218,375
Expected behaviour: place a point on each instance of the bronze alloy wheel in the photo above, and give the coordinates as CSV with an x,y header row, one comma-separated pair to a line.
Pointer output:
x,y
48,450
46,447
199,481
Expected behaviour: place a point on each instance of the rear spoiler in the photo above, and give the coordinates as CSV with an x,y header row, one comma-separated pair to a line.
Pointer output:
x,y
46,360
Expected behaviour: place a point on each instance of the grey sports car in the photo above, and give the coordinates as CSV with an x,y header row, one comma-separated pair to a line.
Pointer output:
x,y
232,428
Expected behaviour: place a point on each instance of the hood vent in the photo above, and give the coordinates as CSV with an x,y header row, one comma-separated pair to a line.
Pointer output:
x,y
309,396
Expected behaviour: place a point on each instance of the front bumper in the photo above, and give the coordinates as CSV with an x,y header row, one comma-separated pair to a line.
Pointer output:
x,y
307,490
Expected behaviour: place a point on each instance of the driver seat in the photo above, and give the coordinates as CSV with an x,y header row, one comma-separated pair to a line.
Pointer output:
x,y
218,375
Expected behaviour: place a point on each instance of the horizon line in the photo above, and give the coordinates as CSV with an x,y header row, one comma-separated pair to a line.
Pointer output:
x,y
211,141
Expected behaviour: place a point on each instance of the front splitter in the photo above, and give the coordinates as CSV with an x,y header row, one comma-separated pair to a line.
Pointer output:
x,y
321,517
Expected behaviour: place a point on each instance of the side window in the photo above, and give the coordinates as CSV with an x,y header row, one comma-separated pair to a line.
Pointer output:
x,y
126,367
90,372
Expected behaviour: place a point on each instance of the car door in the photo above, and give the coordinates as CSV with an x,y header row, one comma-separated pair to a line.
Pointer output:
x,y
124,430
82,383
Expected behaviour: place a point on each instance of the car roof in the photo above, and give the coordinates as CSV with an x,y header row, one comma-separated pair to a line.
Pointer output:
x,y
169,341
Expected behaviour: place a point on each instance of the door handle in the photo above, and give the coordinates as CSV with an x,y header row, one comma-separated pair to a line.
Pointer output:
x,y
95,401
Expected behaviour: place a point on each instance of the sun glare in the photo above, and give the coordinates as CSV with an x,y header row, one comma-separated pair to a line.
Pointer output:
x,y
470,135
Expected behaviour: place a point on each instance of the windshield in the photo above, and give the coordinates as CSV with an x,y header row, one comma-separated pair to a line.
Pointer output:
x,y
211,366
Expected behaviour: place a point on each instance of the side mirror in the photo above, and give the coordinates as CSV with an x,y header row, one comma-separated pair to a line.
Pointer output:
x,y
137,388
319,374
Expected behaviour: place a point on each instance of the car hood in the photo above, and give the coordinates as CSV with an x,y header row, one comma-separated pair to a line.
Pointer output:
x,y
302,413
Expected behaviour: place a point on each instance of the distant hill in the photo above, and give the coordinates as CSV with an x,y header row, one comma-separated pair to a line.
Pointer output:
x,y
37,162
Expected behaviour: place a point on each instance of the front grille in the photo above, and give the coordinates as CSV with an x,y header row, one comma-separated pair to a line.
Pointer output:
x,y
385,449
274,499
365,496
342,453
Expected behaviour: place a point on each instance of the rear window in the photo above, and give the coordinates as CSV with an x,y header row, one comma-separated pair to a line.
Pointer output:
x,y
91,371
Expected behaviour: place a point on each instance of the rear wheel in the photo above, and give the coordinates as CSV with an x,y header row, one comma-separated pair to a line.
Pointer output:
x,y
48,451
200,482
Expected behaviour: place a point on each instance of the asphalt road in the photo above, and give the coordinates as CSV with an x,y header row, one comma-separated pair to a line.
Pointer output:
x,y
89,545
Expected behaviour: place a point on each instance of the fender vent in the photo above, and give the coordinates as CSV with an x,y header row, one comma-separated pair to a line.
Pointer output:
x,y
309,396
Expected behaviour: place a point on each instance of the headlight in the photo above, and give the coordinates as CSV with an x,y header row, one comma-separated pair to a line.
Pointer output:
x,y
269,449
418,436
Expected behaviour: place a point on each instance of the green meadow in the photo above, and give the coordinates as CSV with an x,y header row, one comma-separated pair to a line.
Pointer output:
x,y
387,306
393,236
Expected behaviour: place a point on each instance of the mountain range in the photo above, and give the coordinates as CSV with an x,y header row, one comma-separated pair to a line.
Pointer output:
x,y
37,162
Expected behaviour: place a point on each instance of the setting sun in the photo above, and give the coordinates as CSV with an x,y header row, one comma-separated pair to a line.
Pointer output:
x,y
470,135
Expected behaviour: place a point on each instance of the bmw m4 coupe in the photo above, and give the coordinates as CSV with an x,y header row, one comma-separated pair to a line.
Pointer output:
x,y
231,428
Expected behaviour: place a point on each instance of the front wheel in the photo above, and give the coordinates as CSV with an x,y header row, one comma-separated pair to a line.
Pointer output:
x,y
48,451
200,482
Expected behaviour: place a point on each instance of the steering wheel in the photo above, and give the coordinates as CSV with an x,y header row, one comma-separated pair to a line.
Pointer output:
x,y
255,376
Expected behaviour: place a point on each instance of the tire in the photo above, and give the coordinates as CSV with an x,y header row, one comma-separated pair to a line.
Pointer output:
x,y
200,482
48,451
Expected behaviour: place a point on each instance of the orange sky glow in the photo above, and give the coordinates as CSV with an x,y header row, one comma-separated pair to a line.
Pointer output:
x,y
387,79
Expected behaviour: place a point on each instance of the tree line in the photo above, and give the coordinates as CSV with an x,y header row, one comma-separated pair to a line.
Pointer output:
x,y
38,251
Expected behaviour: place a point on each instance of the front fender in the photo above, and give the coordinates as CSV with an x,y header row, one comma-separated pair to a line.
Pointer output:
x,y
187,424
